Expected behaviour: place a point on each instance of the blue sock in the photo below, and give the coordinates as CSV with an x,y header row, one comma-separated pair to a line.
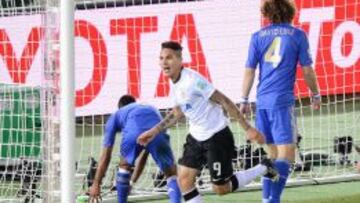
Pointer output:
x,y
122,185
266,189
173,190
277,187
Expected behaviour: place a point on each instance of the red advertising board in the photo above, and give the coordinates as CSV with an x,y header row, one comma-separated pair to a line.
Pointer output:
x,y
333,29
117,49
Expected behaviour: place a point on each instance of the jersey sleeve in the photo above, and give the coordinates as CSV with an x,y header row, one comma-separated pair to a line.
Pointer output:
x,y
252,59
203,87
110,131
304,51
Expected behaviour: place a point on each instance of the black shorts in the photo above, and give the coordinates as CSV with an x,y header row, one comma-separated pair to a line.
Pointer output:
x,y
216,153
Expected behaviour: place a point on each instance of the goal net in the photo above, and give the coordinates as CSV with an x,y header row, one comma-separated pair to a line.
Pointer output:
x,y
117,45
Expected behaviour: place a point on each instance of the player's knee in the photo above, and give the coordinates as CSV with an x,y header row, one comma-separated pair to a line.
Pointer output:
x,y
271,150
182,180
126,167
286,152
172,171
185,181
221,189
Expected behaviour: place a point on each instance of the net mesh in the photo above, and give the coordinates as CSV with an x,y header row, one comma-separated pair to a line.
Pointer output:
x,y
117,46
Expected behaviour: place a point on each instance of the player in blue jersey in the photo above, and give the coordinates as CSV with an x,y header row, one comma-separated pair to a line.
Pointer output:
x,y
132,119
276,50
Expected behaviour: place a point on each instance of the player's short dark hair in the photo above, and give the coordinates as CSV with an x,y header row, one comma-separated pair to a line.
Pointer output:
x,y
125,100
176,46
279,11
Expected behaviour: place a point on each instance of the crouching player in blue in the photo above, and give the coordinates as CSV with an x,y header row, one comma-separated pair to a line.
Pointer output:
x,y
132,119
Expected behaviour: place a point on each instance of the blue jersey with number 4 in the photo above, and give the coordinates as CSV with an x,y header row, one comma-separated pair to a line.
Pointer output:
x,y
277,49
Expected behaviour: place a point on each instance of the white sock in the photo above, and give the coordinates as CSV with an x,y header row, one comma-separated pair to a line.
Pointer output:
x,y
196,199
193,196
265,200
245,177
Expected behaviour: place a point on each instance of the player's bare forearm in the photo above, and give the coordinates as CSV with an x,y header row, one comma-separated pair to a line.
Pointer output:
x,y
310,79
230,107
139,166
103,165
249,75
170,119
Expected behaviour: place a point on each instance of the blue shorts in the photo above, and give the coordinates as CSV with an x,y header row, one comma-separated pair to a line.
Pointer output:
x,y
159,148
277,125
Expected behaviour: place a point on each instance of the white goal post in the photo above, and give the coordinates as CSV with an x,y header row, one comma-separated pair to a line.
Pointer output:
x,y
115,51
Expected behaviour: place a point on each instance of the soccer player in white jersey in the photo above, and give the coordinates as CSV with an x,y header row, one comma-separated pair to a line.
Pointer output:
x,y
277,49
210,140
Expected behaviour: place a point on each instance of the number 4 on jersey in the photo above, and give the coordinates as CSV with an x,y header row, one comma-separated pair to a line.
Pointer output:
x,y
273,53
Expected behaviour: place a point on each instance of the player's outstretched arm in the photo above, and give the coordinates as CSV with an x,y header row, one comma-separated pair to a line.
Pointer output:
x,y
229,106
104,161
311,81
169,120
